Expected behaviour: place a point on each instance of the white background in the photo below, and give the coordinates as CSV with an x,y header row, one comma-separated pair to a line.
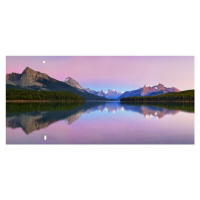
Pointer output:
x,y
99,28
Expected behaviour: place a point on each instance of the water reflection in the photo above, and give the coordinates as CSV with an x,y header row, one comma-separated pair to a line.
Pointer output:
x,y
151,111
33,116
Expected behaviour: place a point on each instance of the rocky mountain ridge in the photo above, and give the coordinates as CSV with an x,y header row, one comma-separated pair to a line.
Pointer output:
x,y
73,83
149,90
31,79
34,80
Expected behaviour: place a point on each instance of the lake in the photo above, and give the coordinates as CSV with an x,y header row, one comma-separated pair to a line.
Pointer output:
x,y
99,123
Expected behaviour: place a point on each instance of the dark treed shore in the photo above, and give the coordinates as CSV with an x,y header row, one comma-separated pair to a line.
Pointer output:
x,y
32,95
184,96
13,95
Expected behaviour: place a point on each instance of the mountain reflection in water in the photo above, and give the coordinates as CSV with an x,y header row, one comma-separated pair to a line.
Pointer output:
x,y
33,116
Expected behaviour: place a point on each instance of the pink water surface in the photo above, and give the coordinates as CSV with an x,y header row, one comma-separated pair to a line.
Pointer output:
x,y
113,126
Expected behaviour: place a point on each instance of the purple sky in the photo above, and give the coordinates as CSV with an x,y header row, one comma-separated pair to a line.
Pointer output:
x,y
112,72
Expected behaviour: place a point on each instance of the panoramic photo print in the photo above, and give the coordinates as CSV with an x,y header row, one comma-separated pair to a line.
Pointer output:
x,y
100,100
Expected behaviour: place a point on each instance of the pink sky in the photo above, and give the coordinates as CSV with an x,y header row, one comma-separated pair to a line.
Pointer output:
x,y
112,72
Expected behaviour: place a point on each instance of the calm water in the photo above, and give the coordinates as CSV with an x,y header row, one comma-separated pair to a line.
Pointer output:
x,y
99,123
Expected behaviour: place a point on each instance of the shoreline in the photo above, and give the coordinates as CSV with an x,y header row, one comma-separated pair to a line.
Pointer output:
x,y
41,101
49,101
155,101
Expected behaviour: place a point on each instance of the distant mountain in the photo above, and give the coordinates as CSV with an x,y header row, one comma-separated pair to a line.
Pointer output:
x,y
148,90
91,91
100,93
31,79
110,94
73,83
113,94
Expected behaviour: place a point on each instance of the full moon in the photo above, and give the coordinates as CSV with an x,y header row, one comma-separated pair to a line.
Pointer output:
x,y
44,61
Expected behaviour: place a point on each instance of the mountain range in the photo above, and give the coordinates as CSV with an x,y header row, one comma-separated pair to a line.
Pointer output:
x,y
31,79
110,94
34,80
149,90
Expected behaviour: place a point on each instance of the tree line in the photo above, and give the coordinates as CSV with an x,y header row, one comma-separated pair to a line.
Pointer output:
x,y
187,95
12,94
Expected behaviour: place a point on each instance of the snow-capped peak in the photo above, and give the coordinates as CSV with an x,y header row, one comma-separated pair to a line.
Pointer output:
x,y
148,85
67,79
